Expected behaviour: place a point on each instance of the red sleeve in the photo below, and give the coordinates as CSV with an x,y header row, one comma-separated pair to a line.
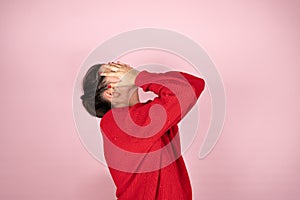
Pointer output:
x,y
177,94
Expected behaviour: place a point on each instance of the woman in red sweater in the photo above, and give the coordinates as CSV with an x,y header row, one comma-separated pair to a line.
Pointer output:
x,y
141,139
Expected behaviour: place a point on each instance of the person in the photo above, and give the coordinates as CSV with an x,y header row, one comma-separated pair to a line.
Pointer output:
x,y
141,139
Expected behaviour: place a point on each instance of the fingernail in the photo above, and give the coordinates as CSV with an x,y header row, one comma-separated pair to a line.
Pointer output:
x,y
109,86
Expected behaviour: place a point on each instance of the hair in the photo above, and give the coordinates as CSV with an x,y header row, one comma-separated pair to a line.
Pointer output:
x,y
93,86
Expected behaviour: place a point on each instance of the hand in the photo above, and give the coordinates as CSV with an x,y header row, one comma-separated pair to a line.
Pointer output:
x,y
125,74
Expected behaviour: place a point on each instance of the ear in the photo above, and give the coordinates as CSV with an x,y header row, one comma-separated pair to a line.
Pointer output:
x,y
110,93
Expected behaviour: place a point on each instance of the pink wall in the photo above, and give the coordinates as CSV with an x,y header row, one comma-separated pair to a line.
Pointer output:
x,y
254,45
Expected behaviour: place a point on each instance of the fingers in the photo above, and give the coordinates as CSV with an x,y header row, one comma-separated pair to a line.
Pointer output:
x,y
109,68
116,74
119,84
119,64
115,64
112,85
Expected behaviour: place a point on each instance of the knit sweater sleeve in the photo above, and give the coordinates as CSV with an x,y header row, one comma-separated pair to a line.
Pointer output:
x,y
177,92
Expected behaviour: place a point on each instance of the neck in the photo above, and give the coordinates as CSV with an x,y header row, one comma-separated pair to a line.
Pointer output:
x,y
133,98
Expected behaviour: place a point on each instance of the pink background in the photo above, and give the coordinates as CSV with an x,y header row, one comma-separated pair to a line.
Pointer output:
x,y
254,44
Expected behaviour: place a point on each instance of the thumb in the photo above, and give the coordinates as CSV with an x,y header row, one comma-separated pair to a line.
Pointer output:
x,y
120,84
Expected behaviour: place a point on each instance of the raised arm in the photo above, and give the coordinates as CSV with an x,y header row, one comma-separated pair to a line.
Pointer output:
x,y
177,94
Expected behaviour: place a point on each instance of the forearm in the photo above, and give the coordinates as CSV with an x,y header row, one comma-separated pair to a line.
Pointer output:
x,y
171,83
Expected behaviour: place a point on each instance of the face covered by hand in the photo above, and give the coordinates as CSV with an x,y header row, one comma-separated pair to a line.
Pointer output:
x,y
120,78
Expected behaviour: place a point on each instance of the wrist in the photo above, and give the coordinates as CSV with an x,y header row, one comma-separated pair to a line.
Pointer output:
x,y
135,74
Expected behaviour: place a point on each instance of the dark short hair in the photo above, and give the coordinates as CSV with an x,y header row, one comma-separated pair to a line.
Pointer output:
x,y
93,87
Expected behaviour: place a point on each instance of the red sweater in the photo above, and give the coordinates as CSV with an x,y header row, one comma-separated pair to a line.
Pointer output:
x,y
142,144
